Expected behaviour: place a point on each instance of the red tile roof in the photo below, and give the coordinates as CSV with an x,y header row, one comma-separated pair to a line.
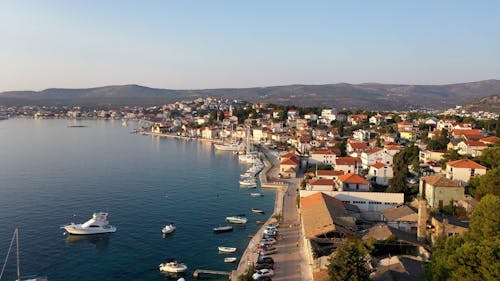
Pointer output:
x,y
491,139
329,173
289,161
359,145
378,165
373,150
328,182
347,160
465,163
353,178
475,143
441,181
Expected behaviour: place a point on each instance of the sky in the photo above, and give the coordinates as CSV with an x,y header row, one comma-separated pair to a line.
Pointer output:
x,y
219,44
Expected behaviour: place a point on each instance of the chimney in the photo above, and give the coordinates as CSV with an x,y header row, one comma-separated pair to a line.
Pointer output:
x,y
423,216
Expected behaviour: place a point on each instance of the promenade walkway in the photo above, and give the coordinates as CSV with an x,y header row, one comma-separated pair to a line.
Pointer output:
x,y
290,261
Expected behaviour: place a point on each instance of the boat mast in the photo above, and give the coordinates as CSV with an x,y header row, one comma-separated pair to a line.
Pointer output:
x,y
17,255
14,237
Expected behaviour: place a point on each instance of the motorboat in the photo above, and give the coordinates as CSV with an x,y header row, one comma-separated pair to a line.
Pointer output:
x,y
97,224
237,219
230,259
172,266
220,229
228,146
223,249
248,183
169,228
256,194
258,211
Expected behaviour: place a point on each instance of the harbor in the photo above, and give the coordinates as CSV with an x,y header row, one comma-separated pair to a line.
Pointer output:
x,y
137,181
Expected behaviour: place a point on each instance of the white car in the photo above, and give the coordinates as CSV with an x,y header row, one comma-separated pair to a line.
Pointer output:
x,y
262,273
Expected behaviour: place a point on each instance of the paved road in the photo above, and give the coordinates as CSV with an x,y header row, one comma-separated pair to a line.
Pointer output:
x,y
290,261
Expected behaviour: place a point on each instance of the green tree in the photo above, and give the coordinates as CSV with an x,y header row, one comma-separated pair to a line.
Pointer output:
x,y
490,157
474,255
348,263
489,183
498,127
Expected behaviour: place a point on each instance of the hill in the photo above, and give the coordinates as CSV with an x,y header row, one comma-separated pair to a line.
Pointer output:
x,y
490,103
372,96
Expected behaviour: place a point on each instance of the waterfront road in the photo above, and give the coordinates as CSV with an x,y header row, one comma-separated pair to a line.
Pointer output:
x,y
290,260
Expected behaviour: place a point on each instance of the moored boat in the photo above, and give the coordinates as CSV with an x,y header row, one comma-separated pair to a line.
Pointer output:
x,y
224,249
228,146
256,194
237,219
169,228
172,266
230,259
259,211
221,229
97,224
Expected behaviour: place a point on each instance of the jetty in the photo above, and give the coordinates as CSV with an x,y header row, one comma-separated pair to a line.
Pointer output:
x,y
197,273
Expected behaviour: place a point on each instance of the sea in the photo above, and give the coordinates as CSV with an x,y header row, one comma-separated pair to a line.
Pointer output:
x,y
53,172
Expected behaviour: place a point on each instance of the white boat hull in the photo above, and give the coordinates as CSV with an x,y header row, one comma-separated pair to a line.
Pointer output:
x,y
173,267
78,230
227,249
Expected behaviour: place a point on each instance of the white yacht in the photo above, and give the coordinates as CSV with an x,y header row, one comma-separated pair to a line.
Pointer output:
x,y
97,224
169,228
237,219
249,182
173,267
228,146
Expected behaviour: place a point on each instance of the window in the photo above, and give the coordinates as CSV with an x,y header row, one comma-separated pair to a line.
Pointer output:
x,y
472,172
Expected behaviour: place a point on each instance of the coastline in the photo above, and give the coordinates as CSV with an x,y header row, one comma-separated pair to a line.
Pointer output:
x,y
250,254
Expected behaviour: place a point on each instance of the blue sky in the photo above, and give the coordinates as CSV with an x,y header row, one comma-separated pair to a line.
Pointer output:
x,y
211,44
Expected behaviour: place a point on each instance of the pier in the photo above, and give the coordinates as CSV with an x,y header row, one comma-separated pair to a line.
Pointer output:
x,y
197,273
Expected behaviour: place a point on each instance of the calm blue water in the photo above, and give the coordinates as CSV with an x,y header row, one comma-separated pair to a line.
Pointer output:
x,y
51,174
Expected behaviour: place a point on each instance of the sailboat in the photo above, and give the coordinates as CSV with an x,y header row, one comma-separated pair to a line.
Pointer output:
x,y
15,237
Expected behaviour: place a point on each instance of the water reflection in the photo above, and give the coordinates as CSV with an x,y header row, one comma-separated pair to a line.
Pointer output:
x,y
100,241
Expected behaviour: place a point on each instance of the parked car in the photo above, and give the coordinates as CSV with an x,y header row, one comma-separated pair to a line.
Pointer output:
x,y
268,252
260,266
262,273
263,259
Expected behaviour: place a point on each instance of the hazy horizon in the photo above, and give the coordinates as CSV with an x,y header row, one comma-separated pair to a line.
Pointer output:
x,y
225,44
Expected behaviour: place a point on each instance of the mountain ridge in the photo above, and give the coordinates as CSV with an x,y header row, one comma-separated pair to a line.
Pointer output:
x,y
373,96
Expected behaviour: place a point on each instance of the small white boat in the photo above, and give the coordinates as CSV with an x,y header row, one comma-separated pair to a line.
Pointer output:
x,y
223,249
230,259
97,224
228,146
220,229
172,267
169,228
259,211
256,194
249,182
237,219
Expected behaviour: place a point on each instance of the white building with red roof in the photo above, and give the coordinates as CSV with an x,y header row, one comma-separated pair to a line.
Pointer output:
x,y
380,173
352,182
289,163
320,184
470,147
328,174
322,156
348,164
375,155
464,169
